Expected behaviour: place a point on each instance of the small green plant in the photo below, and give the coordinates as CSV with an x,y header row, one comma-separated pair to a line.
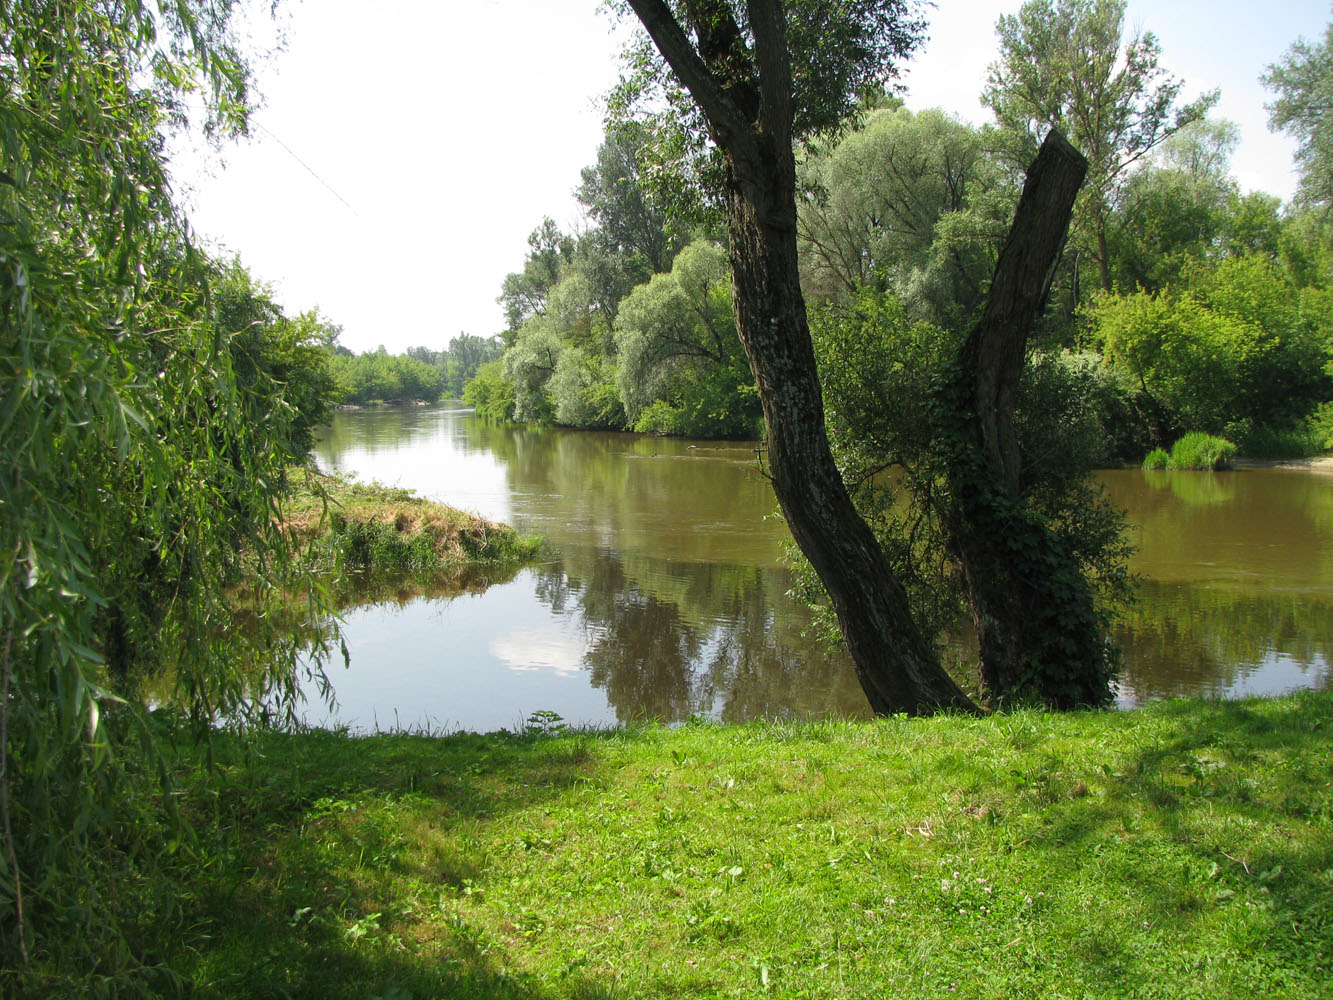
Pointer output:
x,y
1158,458
1197,450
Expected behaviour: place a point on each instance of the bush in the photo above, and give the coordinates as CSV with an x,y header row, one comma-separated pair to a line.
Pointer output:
x,y
1270,442
490,393
1202,451
1321,426
1157,459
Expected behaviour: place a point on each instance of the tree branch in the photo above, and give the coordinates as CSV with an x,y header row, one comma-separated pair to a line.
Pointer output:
x,y
689,68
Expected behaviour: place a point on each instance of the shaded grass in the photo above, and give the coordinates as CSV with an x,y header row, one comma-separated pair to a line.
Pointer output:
x,y
382,528
1181,850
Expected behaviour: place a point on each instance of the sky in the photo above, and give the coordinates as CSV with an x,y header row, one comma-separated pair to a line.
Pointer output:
x,y
399,161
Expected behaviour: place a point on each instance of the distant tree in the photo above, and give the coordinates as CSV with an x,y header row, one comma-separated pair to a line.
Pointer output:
x,y
1176,208
1240,346
1303,80
523,293
490,393
682,369
630,225
1067,64
907,202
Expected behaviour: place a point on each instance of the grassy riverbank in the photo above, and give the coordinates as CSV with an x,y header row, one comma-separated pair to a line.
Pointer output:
x,y
1182,850
375,527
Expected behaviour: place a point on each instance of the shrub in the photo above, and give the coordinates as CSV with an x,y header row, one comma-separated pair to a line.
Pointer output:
x,y
1270,442
1157,459
1321,426
1202,451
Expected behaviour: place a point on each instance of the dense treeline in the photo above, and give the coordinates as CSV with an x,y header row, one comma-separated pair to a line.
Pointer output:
x,y
1181,303
421,375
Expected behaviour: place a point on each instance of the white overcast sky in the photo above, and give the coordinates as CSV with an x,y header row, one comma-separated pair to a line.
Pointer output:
x,y
401,157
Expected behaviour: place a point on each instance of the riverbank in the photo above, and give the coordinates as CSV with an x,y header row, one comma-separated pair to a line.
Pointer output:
x,y
1180,850
376,527
1322,464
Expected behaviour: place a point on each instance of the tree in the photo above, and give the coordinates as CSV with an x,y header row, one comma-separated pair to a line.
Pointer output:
x,y
630,224
145,441
1066,64
1177,208
763,77
523,293
682,369
1304,108
908,202
1239,347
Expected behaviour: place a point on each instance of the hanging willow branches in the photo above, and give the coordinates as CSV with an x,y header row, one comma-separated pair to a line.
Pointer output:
x,y
144,444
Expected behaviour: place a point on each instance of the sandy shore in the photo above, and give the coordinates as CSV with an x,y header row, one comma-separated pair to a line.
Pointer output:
x,y
1321,463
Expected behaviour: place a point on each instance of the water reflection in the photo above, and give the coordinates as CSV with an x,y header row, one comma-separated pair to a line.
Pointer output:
x,y
665,596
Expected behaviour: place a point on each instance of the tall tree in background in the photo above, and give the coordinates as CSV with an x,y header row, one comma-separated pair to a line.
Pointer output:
x,y
1303,81
910,203
1067,64
629,223
763,75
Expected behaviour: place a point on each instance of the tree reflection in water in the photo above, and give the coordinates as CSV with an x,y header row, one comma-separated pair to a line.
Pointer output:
x,y
708,643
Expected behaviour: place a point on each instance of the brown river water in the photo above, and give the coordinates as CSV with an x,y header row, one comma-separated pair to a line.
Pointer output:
x,y
663,590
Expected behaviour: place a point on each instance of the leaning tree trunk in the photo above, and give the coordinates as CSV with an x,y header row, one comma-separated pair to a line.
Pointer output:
x,y
1040,638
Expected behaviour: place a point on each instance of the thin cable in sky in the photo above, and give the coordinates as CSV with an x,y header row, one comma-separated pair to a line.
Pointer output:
x,y
309,169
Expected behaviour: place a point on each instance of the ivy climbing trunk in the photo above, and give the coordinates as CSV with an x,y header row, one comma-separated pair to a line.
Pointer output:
x,y
746,97
1040,637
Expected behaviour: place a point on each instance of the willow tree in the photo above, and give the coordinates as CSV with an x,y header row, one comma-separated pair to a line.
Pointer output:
x,y
145,433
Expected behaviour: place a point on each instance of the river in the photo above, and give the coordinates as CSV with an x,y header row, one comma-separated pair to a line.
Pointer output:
x,y
663,590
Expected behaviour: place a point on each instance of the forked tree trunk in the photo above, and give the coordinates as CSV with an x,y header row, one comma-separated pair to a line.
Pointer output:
x,y
746,98
895,663
1040,638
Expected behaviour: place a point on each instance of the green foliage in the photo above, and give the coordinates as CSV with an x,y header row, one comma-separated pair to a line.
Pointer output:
x,y
877,368
1067,64
630,224
153,403
907,202
523,294
1180,208
490,393
380,377
1197,450
681,366
1321,426
460,360
1239,344
1303,80
285,361
1158,458
583,386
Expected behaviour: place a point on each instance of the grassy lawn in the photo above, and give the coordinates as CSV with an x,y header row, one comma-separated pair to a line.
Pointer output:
x,y
1182,850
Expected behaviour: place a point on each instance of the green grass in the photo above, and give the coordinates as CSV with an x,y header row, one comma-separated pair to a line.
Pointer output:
x,y
382,528
1158,458
1182,850
1195,450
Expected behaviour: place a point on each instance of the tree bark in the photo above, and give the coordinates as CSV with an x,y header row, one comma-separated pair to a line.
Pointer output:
x,y
1040,638
746,99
